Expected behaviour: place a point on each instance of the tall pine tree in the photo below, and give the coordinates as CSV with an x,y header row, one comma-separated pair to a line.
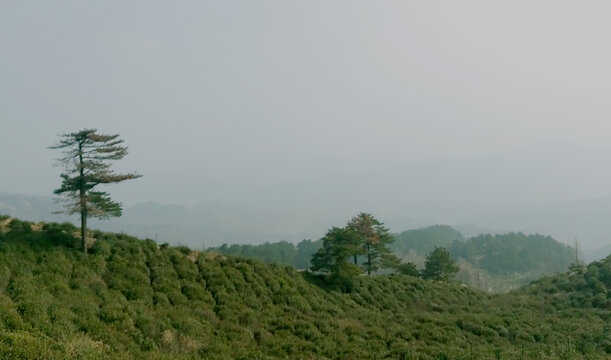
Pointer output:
x,y
86,156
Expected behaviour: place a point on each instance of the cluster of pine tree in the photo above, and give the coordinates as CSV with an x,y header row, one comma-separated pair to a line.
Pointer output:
x,y
362,246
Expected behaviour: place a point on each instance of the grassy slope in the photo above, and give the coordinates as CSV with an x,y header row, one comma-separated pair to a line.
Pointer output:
x,y
130,299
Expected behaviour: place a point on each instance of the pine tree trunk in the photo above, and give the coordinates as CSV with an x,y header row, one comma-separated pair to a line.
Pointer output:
x,y
83,201
368,260
84,230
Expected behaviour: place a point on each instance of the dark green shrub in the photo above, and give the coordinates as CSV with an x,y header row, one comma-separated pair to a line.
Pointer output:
x,y
101,248
183,249
20,226
408,269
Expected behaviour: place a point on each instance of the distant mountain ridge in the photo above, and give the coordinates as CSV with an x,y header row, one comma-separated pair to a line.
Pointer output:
x,y
214,223
207,224
31,207
584,220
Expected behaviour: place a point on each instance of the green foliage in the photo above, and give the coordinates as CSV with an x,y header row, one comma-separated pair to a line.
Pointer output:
x,y
305,250
439,265
131,299
338,245
60,234
408,268
20,226
374,239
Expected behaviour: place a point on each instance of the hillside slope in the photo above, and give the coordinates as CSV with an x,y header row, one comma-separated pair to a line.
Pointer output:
x,y
133,299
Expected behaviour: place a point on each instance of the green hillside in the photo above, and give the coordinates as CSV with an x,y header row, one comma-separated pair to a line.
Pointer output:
x,y
515,253
131,298
504,262
424,240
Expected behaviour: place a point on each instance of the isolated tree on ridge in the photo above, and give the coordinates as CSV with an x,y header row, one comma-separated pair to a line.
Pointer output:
x,y
85,162
374,238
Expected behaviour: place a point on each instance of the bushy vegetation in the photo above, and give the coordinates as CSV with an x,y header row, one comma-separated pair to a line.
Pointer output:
x,y
131,298
439,265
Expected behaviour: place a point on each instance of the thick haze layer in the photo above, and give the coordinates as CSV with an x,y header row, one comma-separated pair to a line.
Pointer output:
x,y
447,112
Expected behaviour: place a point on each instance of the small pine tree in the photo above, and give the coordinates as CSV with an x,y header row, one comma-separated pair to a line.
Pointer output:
x,y
408,268
439,265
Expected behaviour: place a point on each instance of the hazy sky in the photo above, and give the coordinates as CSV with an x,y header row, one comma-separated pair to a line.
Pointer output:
x,y
401,108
